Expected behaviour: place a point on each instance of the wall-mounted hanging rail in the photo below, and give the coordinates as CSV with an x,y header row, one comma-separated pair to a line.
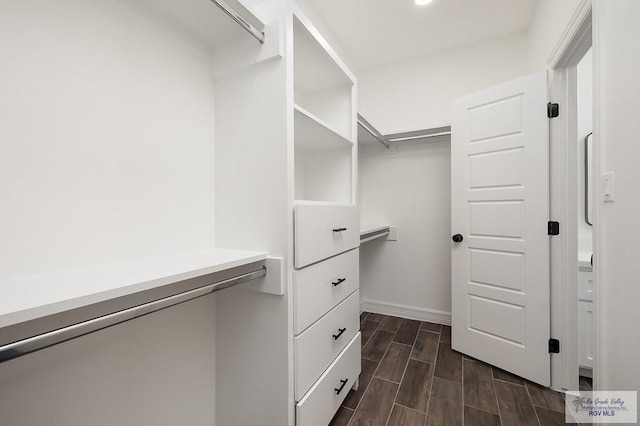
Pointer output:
x,y
419,134
32,344
372,131
386,140
369,233
257,34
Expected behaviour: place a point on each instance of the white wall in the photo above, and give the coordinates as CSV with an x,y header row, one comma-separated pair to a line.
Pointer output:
x,y
617,70
585,126
107,120
411,188
154,370
549,20
106,123
417,94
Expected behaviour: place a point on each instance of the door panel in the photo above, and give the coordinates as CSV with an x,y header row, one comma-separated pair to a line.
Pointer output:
x,y
496,169
497,268
500,205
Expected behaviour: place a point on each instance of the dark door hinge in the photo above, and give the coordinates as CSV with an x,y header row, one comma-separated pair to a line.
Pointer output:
x,y
553,228
553,110
554,346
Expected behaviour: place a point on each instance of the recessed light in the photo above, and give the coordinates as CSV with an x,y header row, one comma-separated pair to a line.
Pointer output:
x,y
422,2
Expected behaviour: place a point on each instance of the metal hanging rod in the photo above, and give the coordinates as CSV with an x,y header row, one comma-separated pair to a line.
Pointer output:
x,y
41,341
259,35
372,131
419,134
386,140
374,235
425,136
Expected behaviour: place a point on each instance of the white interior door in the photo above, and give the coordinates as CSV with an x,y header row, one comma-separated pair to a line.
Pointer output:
x,y
500,208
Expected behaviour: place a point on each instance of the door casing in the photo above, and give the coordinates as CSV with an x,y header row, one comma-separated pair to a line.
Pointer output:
x,y
570,49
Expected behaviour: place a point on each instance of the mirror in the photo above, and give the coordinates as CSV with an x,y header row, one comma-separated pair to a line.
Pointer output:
x,y
588,179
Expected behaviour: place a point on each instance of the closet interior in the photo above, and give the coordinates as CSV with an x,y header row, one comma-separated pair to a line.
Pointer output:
x,y
181,200
191,203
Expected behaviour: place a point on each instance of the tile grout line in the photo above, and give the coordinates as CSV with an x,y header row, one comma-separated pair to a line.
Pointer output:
x,y
374,376
355,410
495,392
461,374
358,405
532,405
408,408
462,389
547,408
511,383
403,374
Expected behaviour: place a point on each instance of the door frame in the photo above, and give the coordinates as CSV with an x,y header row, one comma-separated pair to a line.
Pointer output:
x,y
576,40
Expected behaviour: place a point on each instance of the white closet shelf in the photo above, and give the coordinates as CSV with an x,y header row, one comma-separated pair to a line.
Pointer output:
x,y
206,20
28,298
311,133
373,232
317,66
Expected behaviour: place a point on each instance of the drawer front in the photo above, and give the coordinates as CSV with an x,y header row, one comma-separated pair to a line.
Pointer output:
x,y
585,334
319,288
323,400
324,231
317,347
585,285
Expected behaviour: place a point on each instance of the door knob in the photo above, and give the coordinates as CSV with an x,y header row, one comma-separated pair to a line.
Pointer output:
x,y
457,238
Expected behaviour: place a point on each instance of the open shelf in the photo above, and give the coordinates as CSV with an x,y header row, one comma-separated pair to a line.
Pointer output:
x,y
323,175
33,297
322,85
206,20
324,91
311,133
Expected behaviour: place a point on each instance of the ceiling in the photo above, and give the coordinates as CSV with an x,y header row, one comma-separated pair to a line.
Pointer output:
x,y
375,33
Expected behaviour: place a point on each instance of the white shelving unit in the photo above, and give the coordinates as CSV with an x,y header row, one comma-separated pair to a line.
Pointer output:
x,y
326,272
322,84
324,124
313,134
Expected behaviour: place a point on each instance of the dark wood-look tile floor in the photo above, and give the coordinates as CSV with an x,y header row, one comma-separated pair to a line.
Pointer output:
x,y
411,377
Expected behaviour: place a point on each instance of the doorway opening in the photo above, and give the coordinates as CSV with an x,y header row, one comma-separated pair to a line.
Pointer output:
x,y
572,284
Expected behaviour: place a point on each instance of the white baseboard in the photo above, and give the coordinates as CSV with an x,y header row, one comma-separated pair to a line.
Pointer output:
x,y
403,311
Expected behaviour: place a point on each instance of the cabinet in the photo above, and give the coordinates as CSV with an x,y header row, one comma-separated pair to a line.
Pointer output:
x,y
326,228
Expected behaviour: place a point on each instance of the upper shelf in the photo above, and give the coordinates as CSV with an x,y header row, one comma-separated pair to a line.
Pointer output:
x,y
207,20
29,298
316,66
312,133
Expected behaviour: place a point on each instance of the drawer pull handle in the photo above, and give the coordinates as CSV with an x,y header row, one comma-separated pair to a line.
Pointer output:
x,y
340,281
343,383
339,229
337,336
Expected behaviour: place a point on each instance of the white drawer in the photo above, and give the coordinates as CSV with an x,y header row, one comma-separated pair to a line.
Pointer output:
x,y
322,231
323,400
320,287
585,285
317,347
585,334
